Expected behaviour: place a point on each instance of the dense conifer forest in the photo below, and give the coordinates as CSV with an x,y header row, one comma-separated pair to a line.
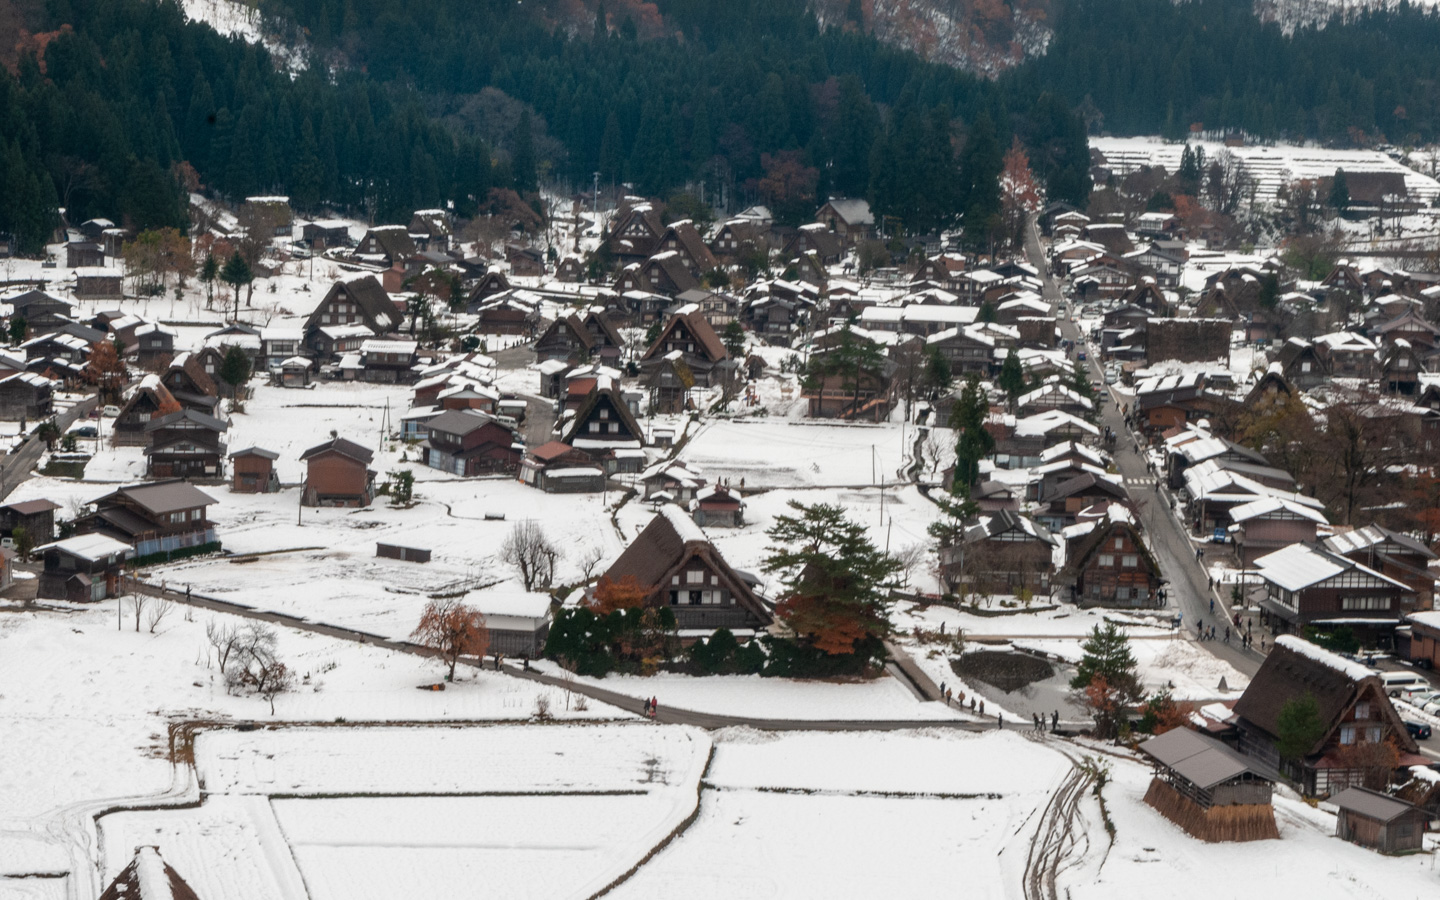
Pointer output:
x,y
117,107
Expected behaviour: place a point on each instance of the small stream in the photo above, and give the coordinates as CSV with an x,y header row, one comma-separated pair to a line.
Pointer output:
x,y
1021,683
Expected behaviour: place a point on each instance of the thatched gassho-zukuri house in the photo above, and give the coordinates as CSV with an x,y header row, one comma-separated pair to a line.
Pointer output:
x,y
1212,792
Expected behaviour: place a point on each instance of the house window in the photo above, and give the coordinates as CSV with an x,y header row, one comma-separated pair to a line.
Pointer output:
x,y
1362,603
1122,593
694,577
1362,711
695,597
1130,562
1305,367
1347,735
1119,543
593,427
1372,734
674,579
1402,363
614,427
1107,560
604,413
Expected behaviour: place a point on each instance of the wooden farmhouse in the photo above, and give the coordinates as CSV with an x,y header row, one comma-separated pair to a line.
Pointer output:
x,y
37,517
154,518
1112,566
677,566
82,568
1360,726
558,468
1307,584
1210,790
470,443
185,444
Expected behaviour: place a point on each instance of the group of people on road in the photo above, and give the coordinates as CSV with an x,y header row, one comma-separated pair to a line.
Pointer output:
x,y
650,707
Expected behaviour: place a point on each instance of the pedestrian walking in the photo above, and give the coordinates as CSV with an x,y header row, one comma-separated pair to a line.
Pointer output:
x,y
982,707
972,704
1212,606
942,687
1262,643
1227,634
187,593
1034,721
654,707
999,720
1055,721
948,697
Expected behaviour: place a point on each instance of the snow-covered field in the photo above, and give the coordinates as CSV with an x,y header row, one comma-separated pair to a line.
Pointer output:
x,y
786,454
1270,166
553,811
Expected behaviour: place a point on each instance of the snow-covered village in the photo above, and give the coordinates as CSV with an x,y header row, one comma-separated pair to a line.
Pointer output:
x,y
1057,518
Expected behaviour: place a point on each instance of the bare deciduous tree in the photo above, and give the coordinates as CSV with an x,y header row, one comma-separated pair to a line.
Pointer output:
x,y
223,640
452,630
591,560
272,679
530,551
136,603
910,559
160,607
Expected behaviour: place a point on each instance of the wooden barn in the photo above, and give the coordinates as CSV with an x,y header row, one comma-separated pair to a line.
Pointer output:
x,y
1379,821
1208,789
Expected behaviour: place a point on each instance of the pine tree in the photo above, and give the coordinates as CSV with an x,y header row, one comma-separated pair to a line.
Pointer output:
x,y
975,443
1298,728
236,273
209,271
1107,675
735,340
612,149
980,171
835,580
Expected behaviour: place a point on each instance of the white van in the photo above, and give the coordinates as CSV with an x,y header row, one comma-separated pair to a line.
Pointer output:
x,y
1395,682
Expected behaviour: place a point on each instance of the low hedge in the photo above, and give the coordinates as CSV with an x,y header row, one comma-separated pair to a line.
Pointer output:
x,y
165,556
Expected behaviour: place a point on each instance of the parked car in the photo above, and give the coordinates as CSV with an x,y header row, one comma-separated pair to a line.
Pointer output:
x,y
1432,707
1418,730
84,431
110,411
1419,699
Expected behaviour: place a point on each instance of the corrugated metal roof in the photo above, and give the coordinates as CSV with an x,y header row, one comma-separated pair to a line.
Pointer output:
x,y
1370,804
1203,761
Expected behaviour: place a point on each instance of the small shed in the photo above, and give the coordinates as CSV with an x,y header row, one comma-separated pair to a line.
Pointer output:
x,y
1379,821
518,620
253,471
294,372
1208,789
717,506
401,552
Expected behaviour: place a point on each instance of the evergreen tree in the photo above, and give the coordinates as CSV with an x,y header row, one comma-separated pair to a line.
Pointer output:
x,y
735,340
853,360
1012,378
834,595
937,376
980,169
1339,192
1107,675
237,273
1298,728
612,150
522,161
975,443
234,369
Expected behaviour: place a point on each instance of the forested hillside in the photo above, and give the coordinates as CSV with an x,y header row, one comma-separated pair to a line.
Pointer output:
x,y
1147,67
120,104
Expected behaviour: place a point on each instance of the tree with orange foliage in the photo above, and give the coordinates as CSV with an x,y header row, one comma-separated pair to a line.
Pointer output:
x,y
106,370
624,593
1019,194
835,579
452,630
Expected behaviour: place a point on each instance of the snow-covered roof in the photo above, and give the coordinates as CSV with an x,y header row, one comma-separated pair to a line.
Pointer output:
x,y
684,526
1267,505
1299,566
91,547
1324,657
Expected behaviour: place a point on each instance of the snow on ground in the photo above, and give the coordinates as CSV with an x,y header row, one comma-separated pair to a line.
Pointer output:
x,y
773,698
86,705
855,815
1307,862
781,454
1271,166
386,812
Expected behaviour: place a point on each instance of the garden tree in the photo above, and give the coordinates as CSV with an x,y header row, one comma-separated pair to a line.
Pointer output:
x,y
24,543
17,328
633,640
1019,194
722,654
734,337
1339,192
1011,379
613,594
652,334
48,432
273,679
975,443
1362,440
529,550
402,487
234,369
452,629
1080,382
937,376
106,370
1312,256
834,580
1269,291
209,271
1107,676
1163,713
1375,760
852,360
154,255
1298,727
237,272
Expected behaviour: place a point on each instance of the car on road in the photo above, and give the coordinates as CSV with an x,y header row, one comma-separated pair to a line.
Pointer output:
x,y
1080,356
1418,730
110,411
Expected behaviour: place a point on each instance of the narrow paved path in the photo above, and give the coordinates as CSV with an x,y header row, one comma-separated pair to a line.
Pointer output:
x,y
667,714
1188,589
